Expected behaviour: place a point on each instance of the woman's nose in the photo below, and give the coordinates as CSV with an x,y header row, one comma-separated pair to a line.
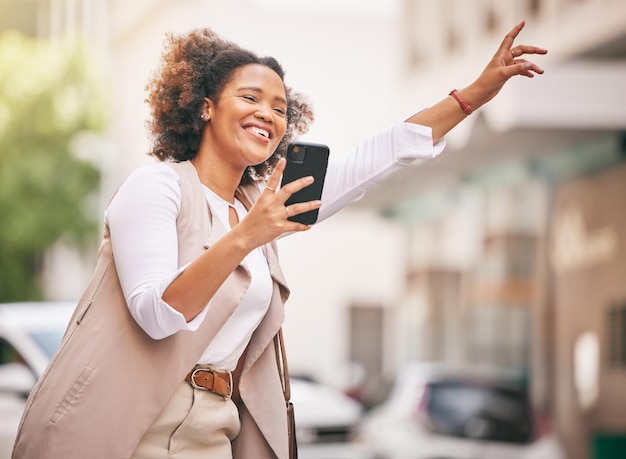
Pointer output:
x,y
263,115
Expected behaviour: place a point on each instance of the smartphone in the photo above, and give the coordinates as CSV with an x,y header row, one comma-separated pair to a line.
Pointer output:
x,y
303,159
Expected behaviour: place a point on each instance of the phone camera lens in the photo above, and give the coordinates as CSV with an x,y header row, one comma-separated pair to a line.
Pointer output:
x,y
298,153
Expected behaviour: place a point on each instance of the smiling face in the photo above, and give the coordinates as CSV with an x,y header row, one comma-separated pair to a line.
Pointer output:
x,y
248,121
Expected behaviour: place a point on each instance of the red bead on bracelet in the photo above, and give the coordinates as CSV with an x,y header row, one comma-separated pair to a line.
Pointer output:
x,y
464,105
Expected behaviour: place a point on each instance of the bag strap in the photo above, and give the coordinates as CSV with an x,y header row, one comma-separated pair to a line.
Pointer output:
x,y
281,360
283,370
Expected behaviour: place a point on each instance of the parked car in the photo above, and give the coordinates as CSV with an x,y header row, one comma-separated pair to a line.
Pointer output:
x,y
437,412
31,332
29,335
326,421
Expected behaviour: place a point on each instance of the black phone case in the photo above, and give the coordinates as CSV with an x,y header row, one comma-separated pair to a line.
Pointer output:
x,y
314,163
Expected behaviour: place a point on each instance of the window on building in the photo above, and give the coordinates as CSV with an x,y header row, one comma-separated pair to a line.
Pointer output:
x,y
453,40
534,7
492,21
366,352
617,336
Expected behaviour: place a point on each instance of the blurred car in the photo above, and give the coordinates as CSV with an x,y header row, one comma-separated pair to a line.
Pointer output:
x,y
29,335
435,412
326,421
31,332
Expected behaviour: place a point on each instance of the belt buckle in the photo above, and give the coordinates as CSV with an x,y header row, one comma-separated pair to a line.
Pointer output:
x,y
214,371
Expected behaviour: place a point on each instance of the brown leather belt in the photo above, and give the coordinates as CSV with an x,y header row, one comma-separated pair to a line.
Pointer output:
x,y
204,377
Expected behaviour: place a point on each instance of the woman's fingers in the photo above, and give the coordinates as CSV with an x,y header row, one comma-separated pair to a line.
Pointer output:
x,y
507,62
511,56
271,207
295,209
282,194
302,207
509,39
508,51
521,67
291,187
273,182
520,50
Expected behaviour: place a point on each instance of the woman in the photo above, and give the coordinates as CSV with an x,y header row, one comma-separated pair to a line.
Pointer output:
x,y
170,352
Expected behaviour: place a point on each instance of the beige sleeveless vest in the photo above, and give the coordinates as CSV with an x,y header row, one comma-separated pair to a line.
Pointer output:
x,y
109,380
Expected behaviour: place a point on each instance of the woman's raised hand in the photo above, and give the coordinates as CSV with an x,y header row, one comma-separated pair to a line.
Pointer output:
x,y
508,61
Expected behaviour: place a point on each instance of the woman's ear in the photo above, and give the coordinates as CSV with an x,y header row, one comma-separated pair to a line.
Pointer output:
x,y
207,109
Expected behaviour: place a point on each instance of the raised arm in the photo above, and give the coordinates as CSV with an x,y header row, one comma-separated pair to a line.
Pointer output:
x,y
508,61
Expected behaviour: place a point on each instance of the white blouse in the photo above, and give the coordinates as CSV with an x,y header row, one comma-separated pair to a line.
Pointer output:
x,y
142,220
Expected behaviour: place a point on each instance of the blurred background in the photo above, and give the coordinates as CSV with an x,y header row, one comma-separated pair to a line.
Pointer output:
x,y
505,256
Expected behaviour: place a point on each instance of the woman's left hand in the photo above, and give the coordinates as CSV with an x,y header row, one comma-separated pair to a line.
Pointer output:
x,y
508,61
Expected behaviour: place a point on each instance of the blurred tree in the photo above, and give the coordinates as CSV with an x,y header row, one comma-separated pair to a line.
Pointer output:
x,y
49,92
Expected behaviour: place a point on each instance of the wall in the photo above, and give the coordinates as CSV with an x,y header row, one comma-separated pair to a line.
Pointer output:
x,y
588,256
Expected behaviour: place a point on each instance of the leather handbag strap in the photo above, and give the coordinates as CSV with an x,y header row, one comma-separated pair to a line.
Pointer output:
x,y
283,370
281,359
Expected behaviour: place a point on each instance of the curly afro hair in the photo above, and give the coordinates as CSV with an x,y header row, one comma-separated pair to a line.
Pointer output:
x,y
198,65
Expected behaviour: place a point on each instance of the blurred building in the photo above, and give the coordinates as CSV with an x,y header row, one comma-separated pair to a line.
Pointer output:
x,y
506,250
517,236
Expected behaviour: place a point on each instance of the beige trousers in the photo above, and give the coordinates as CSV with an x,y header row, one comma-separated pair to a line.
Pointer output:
x,y
194,424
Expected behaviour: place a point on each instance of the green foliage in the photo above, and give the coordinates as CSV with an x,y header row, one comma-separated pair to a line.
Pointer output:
x,y
48,94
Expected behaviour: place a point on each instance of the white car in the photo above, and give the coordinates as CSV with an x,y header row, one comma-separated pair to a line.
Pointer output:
x,y
437,412
326,421
31,332
29,335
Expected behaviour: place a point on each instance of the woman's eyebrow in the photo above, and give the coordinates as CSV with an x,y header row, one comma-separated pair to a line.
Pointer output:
x,y
260,91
